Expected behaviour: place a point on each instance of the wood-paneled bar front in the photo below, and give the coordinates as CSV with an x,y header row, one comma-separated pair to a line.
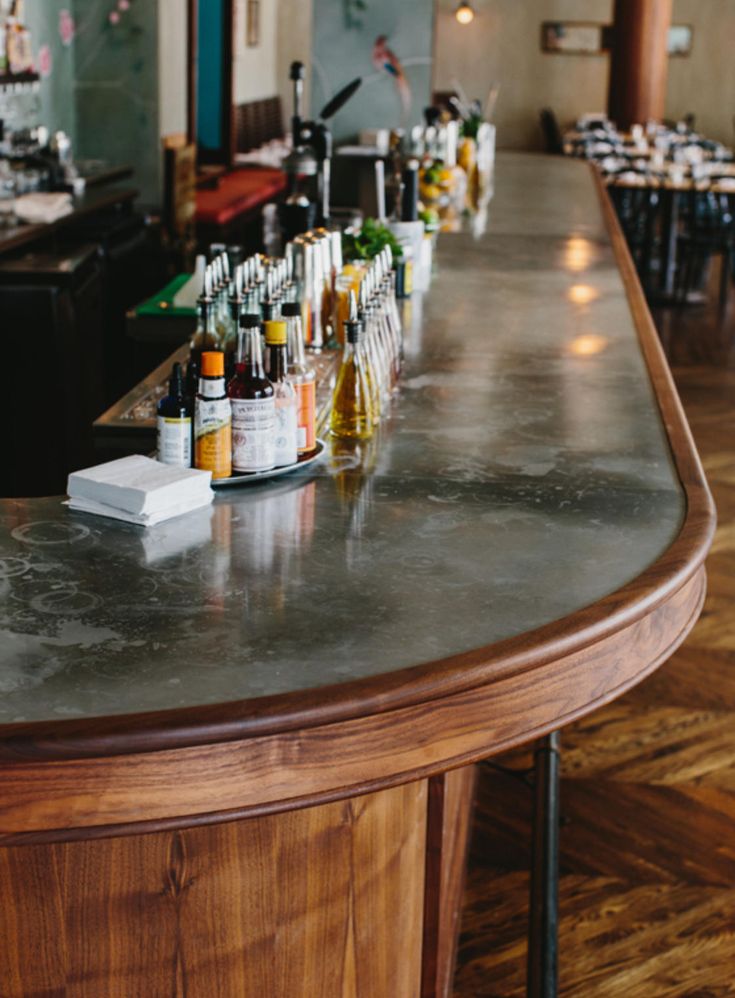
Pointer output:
x,y
240,762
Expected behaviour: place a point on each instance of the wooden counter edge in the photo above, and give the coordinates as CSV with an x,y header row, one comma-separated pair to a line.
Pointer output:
x,y
150,791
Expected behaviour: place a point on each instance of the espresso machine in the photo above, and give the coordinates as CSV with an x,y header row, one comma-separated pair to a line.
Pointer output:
x,y
308,165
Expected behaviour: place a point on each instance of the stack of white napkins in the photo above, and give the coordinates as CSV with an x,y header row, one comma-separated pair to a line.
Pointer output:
x,y
139,490
42,208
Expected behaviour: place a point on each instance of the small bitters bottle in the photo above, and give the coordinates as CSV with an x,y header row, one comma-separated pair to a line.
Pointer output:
x,y
174,423
213,418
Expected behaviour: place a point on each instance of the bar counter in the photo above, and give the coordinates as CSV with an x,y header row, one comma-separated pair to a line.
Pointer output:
x,y
247,736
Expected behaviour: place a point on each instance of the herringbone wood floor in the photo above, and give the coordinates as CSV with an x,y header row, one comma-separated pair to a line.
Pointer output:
x,y
647,891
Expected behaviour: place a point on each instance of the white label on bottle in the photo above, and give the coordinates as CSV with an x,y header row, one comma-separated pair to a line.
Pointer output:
x,y
174,441
212,388
286,431
210,415
253,434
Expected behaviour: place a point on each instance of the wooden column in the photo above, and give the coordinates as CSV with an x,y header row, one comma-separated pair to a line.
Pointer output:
x,y
639,61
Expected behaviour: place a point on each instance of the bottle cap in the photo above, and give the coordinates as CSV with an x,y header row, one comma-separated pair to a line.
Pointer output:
x,y
275,333
291,309
213,364
249,320
354,331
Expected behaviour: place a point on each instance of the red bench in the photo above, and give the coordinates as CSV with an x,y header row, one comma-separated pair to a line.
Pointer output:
x,y
226,212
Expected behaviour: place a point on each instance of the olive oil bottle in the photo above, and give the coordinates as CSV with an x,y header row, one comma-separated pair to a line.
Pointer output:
x,y
352,411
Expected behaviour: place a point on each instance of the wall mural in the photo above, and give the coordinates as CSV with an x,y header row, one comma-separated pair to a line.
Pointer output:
x,y
116,87
386,43
385,60
53,52
353,12
98,62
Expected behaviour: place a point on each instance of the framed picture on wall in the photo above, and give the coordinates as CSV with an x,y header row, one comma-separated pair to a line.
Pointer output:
x,y
252,25
572,37
680,39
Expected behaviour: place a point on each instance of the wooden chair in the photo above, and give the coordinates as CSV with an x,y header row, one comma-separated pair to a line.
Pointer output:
x,y
258,122
553,138
179,199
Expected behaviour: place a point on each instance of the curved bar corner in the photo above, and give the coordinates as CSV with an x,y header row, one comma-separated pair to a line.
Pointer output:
x,y
276,800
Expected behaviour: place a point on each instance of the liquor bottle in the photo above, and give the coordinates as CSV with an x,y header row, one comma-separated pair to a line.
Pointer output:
x,y
213,418
174,423
222,324
270,310
303,377
205,335
253,402
191,383
352,411
18,40
235,304
371,355
286,416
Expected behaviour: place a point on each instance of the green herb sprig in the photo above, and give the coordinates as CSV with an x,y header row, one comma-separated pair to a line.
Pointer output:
x,y
369,241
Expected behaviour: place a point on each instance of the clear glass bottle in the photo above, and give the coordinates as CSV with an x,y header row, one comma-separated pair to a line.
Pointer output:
x,y
205,335
276,336
352,410
303,376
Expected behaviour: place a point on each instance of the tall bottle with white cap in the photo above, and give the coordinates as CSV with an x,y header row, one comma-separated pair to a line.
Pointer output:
x,y
303,377
205,335
276,338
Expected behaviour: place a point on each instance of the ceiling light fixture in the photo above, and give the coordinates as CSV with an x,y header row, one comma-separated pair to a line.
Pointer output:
x,y
464,13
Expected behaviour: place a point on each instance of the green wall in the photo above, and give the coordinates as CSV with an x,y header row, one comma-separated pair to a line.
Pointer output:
x,y
343,44
56,107
116,89
103,88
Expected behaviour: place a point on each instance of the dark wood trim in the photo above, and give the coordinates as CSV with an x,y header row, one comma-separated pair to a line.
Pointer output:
x,y
226,153
93,200
639,61
192,10
228,105
449,821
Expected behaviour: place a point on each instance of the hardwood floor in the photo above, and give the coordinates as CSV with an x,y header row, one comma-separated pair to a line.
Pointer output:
x,y
647,891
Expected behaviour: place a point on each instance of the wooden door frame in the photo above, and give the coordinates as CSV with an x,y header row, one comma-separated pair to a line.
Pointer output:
x,y
225,155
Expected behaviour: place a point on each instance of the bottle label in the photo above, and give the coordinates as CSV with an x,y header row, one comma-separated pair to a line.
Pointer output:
x,y
286,431
213,436
212,388
174,441
253,434
306,399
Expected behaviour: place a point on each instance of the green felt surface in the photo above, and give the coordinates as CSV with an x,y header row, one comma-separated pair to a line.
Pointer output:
x,y
160,303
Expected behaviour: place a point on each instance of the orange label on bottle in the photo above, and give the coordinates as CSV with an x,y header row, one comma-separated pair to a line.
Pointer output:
x,y
306,397
213,437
